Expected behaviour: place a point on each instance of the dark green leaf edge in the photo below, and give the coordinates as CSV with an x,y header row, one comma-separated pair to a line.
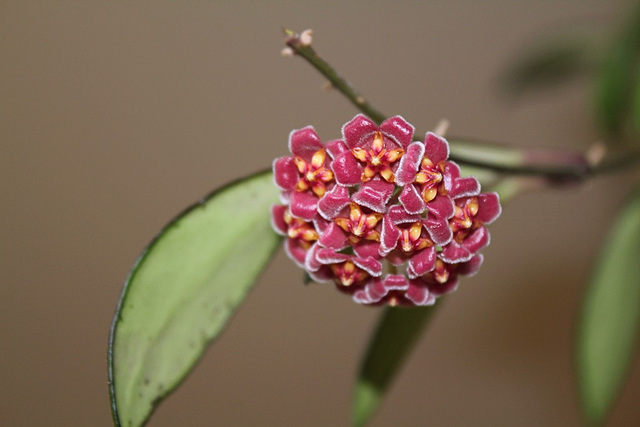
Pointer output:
x,y
132,274
580,330
617,77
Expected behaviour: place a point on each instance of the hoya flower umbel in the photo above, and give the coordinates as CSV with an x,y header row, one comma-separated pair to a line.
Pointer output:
x,y
387,219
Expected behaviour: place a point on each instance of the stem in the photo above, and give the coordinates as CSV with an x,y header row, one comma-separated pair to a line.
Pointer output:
x,y
556,166
337,81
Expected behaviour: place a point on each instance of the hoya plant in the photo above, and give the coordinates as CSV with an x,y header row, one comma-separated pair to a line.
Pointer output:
x,y
391,217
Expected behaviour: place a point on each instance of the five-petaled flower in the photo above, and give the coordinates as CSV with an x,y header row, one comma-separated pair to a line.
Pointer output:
x,y
387,219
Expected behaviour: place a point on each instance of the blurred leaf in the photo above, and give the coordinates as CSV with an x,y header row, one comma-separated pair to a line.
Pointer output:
x,y
615,89
610,322
394,338
546,65
182,291
618,78
636,109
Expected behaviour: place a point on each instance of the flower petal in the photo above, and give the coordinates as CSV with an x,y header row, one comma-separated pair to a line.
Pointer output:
x,y
333,237
372,293
439,289
389,236
361,297
464,187
376,290
370,265
356,130
296,252
322,275
304,205
411,200
399,130
442,207
409,164
400,216
395,282
277,219
439,231
285,173
374,194
436,148
320,224
329,256
488,207
470,267
335,147
346,169
311,263
333,202
476,240
304,142
285,197
367,248
451,172
419,294
422,262
453,252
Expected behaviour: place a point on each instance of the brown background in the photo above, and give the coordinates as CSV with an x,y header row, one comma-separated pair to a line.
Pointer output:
x,y
116,115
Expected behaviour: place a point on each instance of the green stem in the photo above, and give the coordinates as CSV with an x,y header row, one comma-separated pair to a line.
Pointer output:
x,y
337,81
556,167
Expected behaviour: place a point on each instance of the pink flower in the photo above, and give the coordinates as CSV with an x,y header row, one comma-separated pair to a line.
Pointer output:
x,y
430,181
370,150
444,277
357,227
305,176
387,220
467,225
406,238
300,234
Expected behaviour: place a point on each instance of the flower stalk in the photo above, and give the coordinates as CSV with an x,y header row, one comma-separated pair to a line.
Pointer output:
x,y
301,47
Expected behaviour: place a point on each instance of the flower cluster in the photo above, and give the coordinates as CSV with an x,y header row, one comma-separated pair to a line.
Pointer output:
x,y
387,219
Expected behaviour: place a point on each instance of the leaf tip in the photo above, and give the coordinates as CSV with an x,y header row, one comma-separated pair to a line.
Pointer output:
x,y
366,398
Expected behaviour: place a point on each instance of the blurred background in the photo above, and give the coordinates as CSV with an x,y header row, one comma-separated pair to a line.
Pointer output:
x,y
116,115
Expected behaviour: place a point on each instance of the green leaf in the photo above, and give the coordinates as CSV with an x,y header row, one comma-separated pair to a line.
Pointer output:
x,y
182,291
395,336
636,109
618,77
610,322
615,88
